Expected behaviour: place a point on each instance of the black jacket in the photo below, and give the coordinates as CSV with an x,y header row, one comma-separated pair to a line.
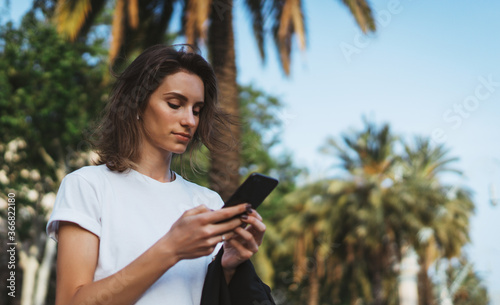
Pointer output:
x,y
245,287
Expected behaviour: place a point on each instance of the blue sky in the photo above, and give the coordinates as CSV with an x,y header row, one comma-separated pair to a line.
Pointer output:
x,y
432,68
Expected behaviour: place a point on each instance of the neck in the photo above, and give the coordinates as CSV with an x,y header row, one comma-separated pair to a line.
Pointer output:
x,y
156,167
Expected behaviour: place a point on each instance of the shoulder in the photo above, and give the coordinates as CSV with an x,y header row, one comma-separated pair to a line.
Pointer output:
x,y
87,179
93,178
202,195
94,174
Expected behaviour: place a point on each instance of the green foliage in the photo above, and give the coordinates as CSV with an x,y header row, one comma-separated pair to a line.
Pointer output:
x,y
261,132
465,285
51,92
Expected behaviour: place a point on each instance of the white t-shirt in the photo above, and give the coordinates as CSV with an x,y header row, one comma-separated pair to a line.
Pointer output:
x,y
129,212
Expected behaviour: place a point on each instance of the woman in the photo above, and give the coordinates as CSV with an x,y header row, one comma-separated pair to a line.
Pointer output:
x,y
130,230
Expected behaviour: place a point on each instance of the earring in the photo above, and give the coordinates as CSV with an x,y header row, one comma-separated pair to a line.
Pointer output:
x,y
137,117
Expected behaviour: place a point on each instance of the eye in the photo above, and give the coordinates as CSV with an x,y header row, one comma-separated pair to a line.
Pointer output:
x,y
173,106
197,111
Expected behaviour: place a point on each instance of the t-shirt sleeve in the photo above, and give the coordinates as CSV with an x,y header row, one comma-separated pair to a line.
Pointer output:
x,y
216,202
77,202
209,198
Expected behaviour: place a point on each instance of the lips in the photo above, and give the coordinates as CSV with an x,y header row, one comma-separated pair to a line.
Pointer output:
x,y
182,136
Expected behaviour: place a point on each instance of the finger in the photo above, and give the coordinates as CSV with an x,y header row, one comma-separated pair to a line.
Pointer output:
x,y
243,252
229,235
221,238
226,226
256,223
249,239
227,213
256,214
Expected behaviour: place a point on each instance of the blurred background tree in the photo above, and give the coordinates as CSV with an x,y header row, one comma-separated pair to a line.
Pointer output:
x,y
50,92
347,236
465,286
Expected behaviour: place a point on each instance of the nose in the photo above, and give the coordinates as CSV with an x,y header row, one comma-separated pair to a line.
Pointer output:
x,y
188,118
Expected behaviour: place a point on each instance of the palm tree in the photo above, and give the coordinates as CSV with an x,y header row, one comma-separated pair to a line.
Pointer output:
x,y
443,211
137,24
411,208
385,203
347,217
466,287
369,159
306,236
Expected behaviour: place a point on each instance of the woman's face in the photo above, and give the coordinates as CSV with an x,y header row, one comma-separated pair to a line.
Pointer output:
x,y
172,114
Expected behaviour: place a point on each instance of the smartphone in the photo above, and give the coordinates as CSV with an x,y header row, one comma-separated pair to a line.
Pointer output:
x,y
254,190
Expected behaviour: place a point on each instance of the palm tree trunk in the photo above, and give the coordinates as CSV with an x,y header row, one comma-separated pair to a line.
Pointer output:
x,y
424,287
224,172
313,289
314,280
377,289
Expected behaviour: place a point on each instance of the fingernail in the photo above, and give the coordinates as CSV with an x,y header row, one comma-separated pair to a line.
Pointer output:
x,y
244,216
249,209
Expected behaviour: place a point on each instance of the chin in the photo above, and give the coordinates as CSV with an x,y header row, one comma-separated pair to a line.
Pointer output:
x,y
179,150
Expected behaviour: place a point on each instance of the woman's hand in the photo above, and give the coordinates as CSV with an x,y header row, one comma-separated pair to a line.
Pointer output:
x,y
198,231
244,244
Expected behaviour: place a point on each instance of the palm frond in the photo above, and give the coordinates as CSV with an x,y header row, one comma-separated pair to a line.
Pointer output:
x,y
255,8
288,21
70,16
362,14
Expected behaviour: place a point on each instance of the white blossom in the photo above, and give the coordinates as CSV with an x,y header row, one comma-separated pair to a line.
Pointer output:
x,y
32,195
3,177
16,144
35,175
9,155
48,200
12,146
16,158
3,204
26,212
21,144
25,173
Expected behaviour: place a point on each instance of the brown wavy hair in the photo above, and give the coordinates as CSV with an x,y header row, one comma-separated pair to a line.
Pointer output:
x,y
118,135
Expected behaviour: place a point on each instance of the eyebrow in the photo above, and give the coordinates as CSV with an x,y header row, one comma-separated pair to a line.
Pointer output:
x,y
181,97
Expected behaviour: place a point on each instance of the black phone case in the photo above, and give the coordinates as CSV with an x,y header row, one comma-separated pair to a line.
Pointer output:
x,y
254,190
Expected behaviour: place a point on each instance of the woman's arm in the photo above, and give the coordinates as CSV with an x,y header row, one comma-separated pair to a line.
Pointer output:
x,y
193,235
76,263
